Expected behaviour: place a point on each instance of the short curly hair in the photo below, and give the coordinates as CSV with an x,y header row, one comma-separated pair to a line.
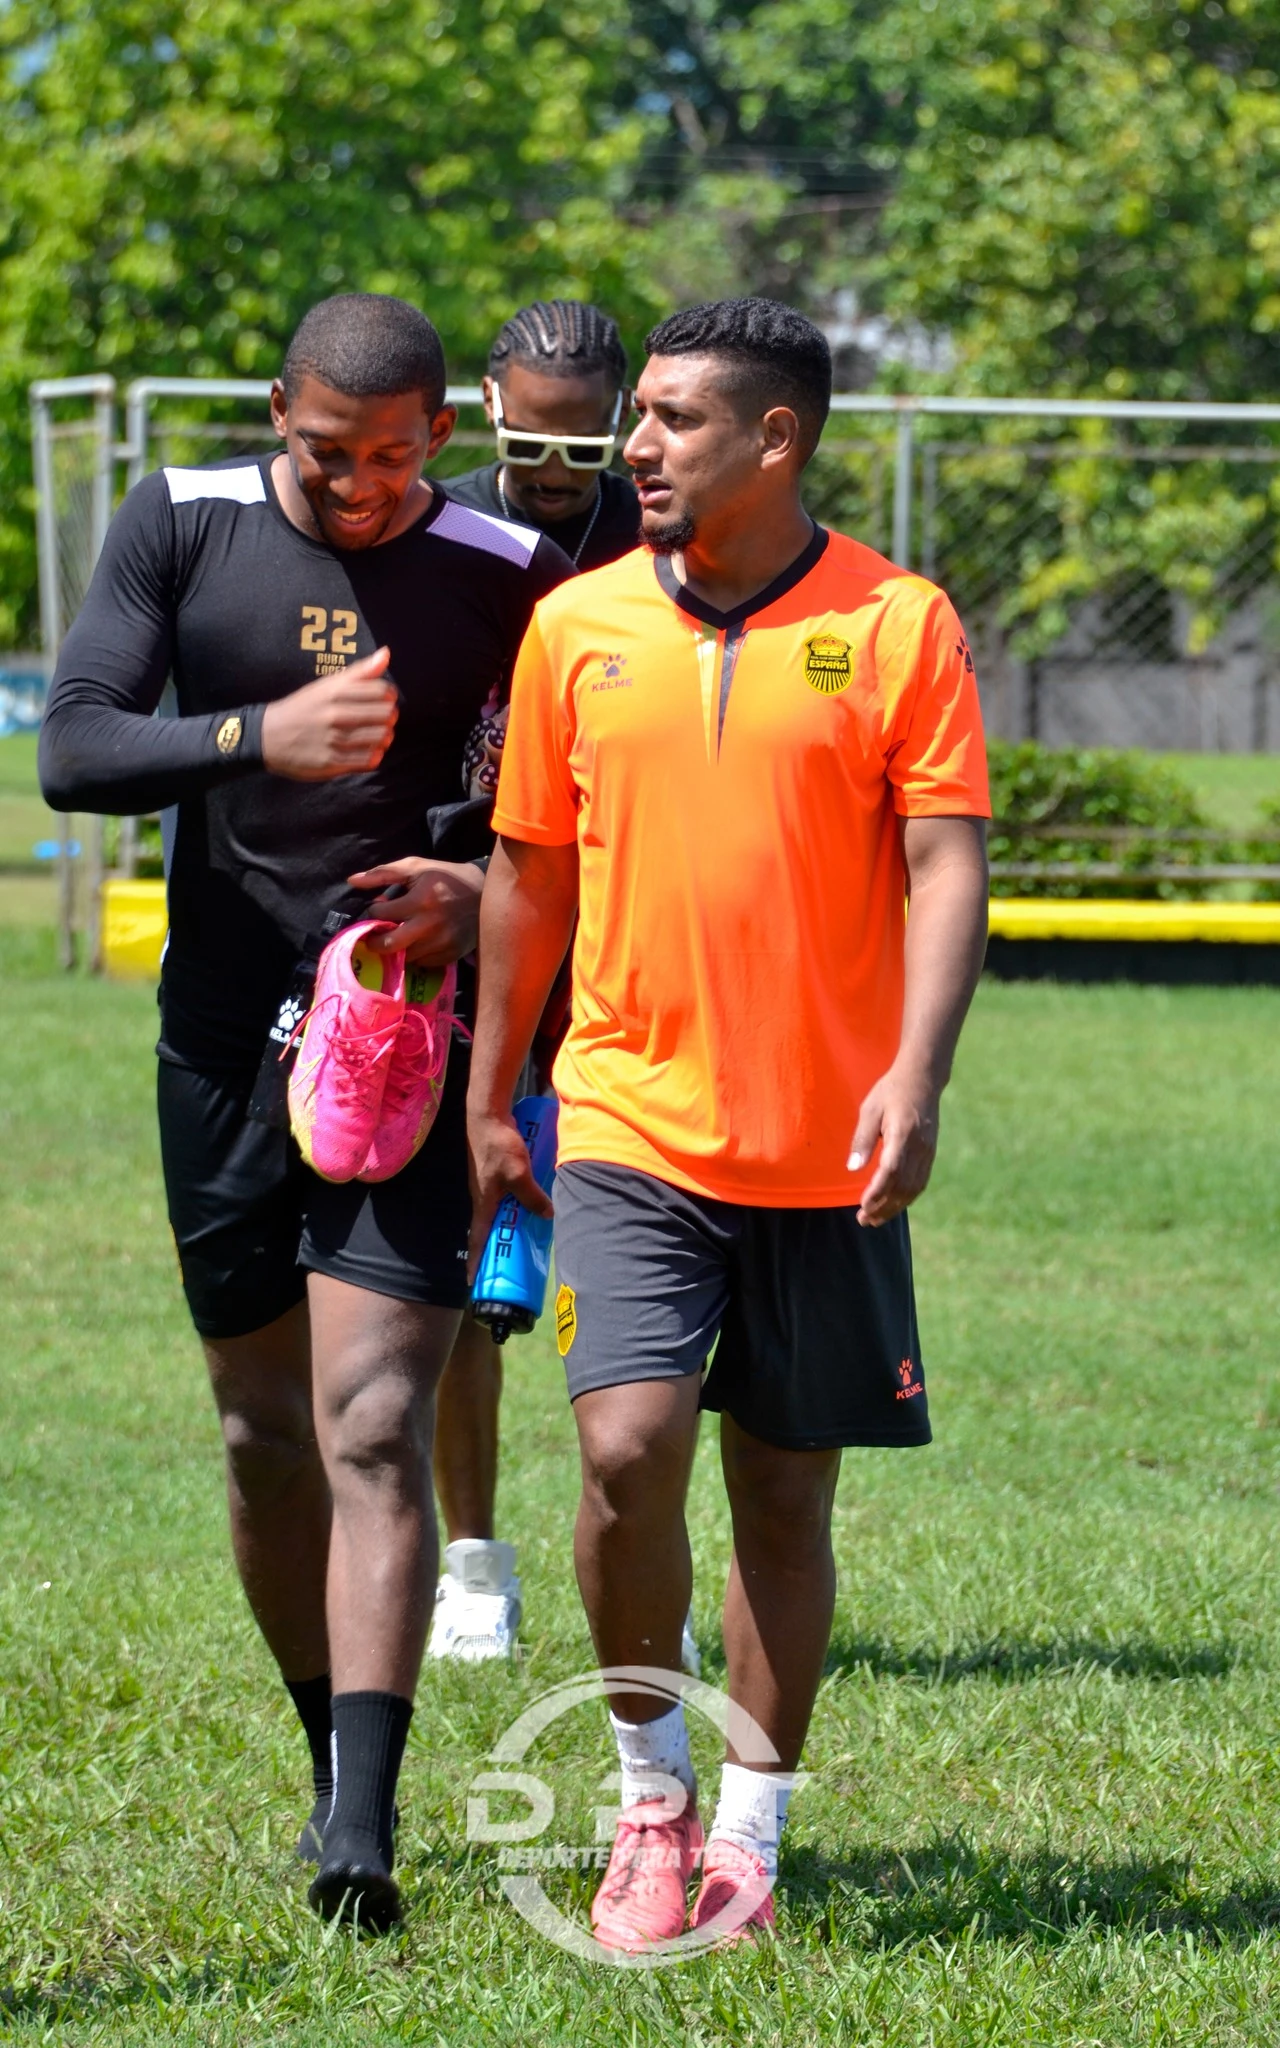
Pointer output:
x,y
367,345
772,354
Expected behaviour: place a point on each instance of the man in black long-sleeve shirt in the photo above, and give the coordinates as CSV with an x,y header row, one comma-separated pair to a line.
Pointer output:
x,y
333,626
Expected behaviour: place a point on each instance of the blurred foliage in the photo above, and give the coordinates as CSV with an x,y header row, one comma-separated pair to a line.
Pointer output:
x,y
1082,199
1038,788
1266,848
178,182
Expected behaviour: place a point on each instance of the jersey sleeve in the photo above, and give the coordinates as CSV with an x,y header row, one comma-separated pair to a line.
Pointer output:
x,y
537,797
101,748
936,755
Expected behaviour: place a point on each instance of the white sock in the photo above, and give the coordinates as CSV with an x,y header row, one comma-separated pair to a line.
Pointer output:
x,y
753,1806
481,1564
650,1751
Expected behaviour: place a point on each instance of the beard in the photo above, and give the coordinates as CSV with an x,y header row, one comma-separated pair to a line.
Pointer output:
x,y
669,536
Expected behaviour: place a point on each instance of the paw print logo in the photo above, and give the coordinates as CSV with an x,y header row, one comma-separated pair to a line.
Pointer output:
x,y
292,1012
962,649
905,1371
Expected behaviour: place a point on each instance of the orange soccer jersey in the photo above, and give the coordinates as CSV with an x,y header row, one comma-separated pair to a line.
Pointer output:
x,y
732,782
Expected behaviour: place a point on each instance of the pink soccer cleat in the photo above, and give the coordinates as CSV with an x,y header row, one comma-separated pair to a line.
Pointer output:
x,y
348,1039
642,1897
735,1898
415,1075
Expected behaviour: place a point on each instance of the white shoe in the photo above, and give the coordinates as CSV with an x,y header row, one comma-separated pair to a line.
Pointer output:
x,y
477,1602
690,1654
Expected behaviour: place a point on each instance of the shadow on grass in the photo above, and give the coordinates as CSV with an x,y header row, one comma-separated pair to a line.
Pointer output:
x,y
947,1890
882,1898
1014,1659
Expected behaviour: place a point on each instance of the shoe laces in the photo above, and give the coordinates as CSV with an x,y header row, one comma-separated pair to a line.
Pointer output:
x,y
415,1055
358,1055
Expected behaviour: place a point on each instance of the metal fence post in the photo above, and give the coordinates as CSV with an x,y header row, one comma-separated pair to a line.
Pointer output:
x,y
52,575
104,421
50,635
904,455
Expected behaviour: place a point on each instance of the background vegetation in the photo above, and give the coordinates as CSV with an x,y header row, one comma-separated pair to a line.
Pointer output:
x,y
1040,198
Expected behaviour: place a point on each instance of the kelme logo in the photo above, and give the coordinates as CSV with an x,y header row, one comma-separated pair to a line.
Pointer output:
x,y
566,1320
826,664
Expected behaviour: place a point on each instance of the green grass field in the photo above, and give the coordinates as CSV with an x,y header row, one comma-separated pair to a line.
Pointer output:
x,y
1045,1795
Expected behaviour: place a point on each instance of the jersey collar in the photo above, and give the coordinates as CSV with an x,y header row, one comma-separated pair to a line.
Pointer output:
x,y
700,609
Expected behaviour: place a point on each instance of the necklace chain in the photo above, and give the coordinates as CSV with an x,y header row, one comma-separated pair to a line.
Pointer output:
x,y
595,514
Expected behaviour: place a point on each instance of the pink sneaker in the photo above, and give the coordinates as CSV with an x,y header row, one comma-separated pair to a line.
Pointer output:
x,y
736,1893
415,1076
642,1897
348,1037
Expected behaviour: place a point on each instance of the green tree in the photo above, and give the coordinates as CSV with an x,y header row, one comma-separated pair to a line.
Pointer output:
x,y
178,182
1084,196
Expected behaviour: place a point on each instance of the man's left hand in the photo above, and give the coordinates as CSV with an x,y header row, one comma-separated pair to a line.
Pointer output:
x,y
901,1112
437,918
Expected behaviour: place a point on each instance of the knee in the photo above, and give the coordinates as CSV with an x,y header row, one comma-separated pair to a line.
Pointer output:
x,y
382,1425
267,1452
782,1502
627,1477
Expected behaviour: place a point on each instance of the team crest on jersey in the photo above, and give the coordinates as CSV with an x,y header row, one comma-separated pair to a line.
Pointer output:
x,y
826,664
566,1320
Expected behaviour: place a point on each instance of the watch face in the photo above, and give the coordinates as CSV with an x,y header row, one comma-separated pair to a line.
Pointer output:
x,y
229,734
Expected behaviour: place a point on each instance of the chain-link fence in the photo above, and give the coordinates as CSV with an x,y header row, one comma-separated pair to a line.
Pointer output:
x,y
1117,564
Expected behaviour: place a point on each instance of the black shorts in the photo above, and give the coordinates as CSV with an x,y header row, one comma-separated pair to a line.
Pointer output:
x,y
815,1315
250,1219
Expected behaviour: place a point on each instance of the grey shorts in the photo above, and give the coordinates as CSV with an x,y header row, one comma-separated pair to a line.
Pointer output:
x,y
814,1315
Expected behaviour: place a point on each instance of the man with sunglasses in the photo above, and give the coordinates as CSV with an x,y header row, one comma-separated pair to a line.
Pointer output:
x,y
556,395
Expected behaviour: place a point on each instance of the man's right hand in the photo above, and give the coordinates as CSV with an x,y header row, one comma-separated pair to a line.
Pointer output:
x,y
341,725
499,1167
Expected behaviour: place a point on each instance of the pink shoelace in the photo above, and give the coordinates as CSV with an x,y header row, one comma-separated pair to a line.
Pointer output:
x,y
418,1054
356,1063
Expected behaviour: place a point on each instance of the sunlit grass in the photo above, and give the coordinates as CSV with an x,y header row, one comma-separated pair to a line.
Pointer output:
x,y
1044,1795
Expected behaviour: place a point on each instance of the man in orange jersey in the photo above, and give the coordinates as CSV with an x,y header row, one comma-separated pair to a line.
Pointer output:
x,y
734,753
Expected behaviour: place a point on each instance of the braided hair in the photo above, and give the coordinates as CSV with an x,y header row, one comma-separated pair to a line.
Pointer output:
x,y
560,338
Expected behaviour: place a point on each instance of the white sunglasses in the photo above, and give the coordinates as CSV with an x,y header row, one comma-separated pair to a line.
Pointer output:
x,y
576,451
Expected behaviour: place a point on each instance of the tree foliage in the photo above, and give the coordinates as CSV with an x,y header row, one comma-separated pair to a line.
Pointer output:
x,y
1081,197
178,182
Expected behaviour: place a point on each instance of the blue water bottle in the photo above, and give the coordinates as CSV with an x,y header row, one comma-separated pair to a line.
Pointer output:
x,y
511,1284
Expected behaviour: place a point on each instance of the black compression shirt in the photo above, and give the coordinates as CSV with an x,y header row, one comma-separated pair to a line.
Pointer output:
x,y
616,530
205,579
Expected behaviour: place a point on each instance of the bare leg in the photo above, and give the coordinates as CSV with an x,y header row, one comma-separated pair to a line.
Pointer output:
x,y
277,1492
631,1546
781,1592
376,1363
466,1452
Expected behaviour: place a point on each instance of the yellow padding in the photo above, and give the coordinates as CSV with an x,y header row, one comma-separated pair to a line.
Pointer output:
x,y
1018,917
135,919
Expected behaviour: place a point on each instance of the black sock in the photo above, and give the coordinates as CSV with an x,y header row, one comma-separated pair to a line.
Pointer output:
x,y
311,1698
369,1733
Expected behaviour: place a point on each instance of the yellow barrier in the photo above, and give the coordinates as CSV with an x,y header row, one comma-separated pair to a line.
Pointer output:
x,y
135,919
134,922
1020,917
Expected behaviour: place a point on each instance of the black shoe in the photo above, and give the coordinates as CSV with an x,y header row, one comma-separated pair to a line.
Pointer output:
x,y
359,1889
